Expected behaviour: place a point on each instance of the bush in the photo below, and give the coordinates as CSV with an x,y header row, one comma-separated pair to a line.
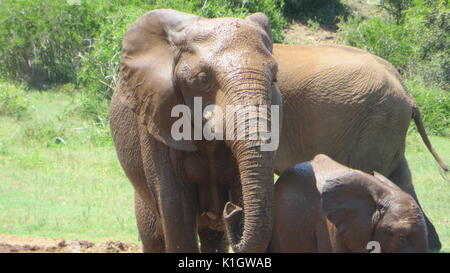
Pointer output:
x,y
419,46
434,105
40,40
396,8
98,73
13,101
389,41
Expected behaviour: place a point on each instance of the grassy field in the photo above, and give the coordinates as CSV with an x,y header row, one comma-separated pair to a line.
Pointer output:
x,y
73,190
77,190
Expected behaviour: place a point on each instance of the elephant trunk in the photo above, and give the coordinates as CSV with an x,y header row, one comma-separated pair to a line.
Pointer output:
x,y
249,229
256,176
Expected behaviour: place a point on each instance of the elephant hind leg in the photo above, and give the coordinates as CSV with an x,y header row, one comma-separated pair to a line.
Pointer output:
x,y
401,176
149,226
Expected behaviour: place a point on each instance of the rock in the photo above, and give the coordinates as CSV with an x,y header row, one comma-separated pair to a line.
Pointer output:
x,y
74,247
51,249
62,243
86,244
114,246
34,248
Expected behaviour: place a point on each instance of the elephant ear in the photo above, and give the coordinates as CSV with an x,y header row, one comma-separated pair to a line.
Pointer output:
x,y
349,205
149,49
261,20
385,181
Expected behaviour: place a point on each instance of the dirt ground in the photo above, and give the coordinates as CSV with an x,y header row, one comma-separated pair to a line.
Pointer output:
x,y
298,33
31,244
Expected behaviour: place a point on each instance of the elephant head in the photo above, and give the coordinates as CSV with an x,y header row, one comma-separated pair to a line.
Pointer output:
x,y
171,58
366,208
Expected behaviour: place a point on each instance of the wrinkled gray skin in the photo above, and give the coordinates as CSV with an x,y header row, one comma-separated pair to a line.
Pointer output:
x,y
168,57
182,187
322,206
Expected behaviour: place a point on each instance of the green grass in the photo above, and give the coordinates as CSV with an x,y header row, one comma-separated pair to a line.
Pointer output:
x,y
432,189
71,191
78,190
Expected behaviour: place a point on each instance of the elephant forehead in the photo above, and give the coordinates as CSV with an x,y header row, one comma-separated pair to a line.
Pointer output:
x,y
223,33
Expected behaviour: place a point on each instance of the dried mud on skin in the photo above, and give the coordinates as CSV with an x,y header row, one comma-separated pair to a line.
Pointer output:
x,y
29,244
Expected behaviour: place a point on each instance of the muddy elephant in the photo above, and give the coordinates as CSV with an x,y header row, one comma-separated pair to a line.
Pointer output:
x,y
186,186
323,206
169,59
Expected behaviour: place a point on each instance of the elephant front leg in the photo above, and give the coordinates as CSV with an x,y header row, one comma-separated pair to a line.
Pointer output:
x,y
178,213
149,226
176,199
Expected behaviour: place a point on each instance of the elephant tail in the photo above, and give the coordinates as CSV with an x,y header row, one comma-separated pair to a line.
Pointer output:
x,y
418,120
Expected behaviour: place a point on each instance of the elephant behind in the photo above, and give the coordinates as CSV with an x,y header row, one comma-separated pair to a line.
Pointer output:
x,y
350,105
323,206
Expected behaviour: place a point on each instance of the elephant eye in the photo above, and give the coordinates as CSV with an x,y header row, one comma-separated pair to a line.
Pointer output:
x,y
203,80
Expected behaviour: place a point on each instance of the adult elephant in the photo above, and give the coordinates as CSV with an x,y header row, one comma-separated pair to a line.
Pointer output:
x,y
183,186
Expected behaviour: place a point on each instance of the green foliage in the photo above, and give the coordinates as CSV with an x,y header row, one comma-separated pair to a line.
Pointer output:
x,y
98,73
390,41
40,40
13,101
419,46
429,24
434,105
396,8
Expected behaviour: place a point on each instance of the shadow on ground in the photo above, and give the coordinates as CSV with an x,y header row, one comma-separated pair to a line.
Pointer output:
x,y
323,13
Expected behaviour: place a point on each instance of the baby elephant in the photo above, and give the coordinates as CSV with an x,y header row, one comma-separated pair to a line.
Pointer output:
x,y
323,206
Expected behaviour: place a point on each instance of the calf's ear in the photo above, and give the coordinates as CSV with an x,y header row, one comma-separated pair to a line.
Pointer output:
x,y
348,203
